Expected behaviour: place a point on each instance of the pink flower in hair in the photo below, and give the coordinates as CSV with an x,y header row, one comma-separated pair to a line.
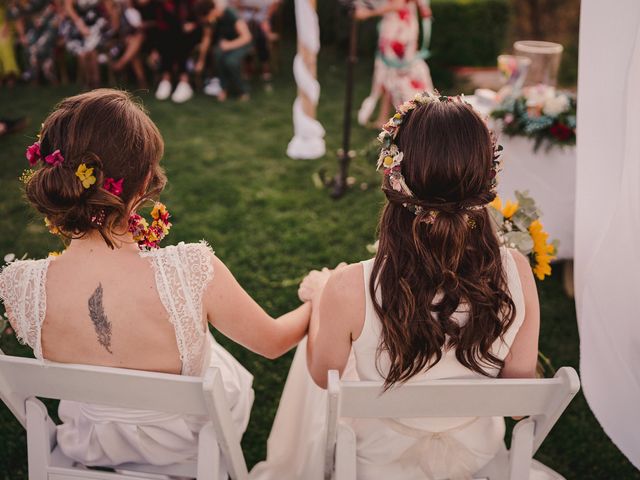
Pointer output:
x,y
33,153
113,186
55,158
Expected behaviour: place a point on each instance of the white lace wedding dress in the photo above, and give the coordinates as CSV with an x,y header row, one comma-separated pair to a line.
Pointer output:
x,y
407,449
107,436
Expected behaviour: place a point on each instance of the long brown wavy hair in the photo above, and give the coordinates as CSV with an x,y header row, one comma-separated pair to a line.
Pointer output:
x,y
424,271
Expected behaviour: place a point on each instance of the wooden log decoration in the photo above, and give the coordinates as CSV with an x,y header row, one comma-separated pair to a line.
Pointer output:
x,y
308,138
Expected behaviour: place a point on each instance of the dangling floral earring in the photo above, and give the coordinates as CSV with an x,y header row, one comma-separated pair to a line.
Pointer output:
x,y
149,237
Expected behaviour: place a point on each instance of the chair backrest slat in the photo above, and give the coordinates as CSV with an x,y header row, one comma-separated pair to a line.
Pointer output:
x,y
448,398
115,387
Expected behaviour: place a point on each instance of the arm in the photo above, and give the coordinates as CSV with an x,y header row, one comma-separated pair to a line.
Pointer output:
x,y
390,6
234,313
73,15
133,46
337,318
203,48
244,37
523,357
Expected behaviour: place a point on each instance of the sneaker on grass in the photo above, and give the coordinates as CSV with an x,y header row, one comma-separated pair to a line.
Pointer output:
x,y
164,90
182,93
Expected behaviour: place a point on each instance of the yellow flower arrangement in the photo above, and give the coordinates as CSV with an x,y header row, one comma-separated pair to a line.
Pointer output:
x,y
519,227
542,251
509,209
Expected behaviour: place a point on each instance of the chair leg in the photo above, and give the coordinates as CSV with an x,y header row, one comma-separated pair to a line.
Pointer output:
x,y
521,450
208,454
345,454
40,439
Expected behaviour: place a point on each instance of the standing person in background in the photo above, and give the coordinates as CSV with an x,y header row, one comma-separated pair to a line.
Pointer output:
x,y
8,66
231,41
399,70
84,32
176,36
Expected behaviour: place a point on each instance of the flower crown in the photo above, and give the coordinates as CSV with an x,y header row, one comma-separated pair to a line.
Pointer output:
x,y
391,157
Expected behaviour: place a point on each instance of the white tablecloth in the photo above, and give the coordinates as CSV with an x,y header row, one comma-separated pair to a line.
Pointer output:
x,y
550,178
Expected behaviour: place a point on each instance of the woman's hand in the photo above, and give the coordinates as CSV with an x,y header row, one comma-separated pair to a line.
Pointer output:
x,y
362,13
312,285
83,29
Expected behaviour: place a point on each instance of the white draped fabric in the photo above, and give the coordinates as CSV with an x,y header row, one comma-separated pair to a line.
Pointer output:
x,y
607,248
308,133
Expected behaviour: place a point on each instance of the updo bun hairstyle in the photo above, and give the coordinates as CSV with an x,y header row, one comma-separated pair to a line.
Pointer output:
x,y
108,131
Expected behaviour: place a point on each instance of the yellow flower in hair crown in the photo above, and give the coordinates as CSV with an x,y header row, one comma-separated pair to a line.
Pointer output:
x,y
518,226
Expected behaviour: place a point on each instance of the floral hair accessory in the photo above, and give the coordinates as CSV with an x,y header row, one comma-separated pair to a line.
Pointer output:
x,y
98,218
85,174
55,158
27,175
390,158
33,153
150,236
53,230
113,186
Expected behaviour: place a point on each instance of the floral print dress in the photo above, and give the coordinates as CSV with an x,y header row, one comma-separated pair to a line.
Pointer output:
x,y
398,68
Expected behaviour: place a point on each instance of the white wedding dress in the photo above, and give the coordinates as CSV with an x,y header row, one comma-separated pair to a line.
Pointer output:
x,y
106,436
406,449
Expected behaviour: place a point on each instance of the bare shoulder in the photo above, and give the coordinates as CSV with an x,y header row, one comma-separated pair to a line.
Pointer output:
x,y
343,299
524,269
346,282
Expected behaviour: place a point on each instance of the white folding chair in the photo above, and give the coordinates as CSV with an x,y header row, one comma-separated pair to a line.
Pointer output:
x,y
24,379
542,400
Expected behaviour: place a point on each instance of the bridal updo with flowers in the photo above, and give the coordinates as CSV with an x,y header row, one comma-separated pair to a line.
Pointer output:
x,y
97,160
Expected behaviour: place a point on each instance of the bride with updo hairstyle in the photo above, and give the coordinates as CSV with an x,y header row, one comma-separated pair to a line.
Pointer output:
x,y
441,299
113,298
106,130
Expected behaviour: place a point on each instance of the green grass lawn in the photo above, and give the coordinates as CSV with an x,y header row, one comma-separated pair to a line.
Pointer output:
x,y
231,184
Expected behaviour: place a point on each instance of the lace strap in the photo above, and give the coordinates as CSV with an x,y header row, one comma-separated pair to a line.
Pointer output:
x,y
196,258
182,272
23,292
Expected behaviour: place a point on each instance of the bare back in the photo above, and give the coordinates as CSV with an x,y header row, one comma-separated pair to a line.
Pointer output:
x,y
104,309
119,308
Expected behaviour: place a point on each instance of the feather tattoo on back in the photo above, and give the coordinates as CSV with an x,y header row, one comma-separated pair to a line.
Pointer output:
x,y
101,323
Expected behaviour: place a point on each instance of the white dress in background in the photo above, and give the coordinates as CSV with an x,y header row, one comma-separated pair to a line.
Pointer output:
x,y
106,436
407,449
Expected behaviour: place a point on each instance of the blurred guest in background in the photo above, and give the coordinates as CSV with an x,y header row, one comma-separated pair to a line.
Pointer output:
x,y
84,31
8,66
37,24
259,15
128,31
231,40
175,37
399,70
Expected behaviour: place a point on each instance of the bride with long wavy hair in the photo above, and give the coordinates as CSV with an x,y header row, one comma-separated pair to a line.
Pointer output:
x,y
441,299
